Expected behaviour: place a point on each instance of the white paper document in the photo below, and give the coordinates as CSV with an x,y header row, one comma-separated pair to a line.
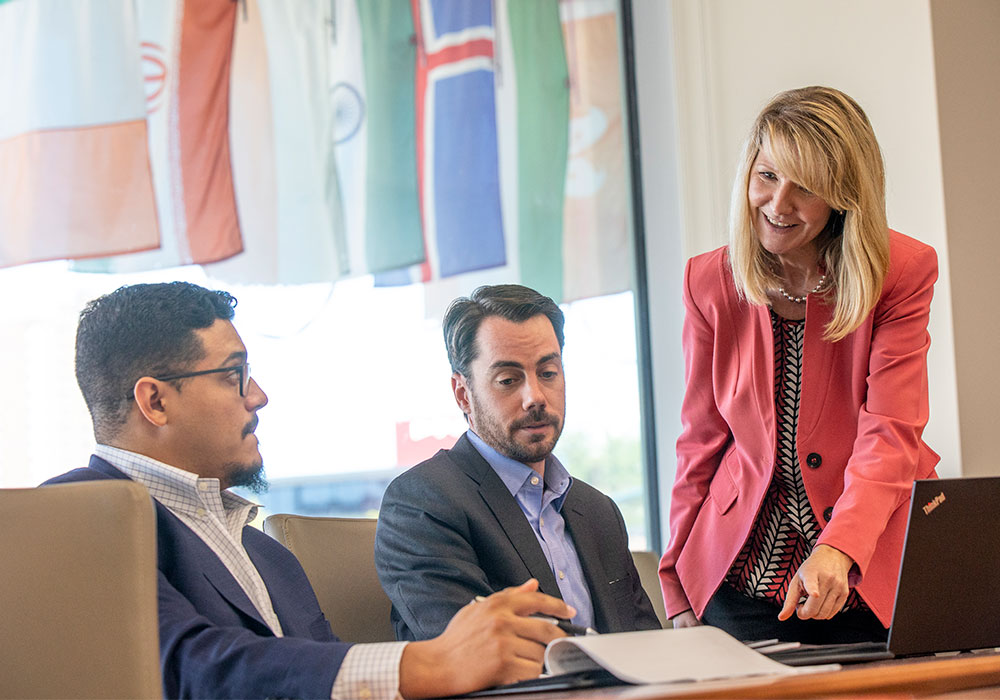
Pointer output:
x,y
663,656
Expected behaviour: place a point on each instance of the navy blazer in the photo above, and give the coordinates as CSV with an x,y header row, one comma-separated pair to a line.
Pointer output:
x,y
449,530
213,642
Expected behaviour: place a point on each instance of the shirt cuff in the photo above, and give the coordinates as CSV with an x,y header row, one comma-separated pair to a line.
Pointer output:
x,y
369,672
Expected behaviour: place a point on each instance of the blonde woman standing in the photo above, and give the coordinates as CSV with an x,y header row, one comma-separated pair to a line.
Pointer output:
x,y
805,344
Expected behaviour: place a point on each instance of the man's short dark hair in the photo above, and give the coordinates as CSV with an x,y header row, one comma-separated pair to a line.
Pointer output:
x,y
510,301
136,331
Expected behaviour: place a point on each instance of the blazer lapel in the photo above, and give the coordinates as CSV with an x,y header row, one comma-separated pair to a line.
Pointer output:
x,y
230,590
508,514
285,596
587,543
761,353
750,330
821,365
210,564
228,587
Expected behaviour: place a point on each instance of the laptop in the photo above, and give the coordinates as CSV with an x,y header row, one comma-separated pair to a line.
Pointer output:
x,y
948,594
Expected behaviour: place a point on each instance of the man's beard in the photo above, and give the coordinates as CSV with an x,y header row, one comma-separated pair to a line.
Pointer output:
x,y
248,476
501,438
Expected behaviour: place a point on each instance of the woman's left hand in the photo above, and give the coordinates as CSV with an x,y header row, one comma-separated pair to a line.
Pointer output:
x,y
822,579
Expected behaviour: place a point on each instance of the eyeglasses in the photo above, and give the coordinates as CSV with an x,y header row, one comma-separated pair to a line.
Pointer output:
x,y
244,372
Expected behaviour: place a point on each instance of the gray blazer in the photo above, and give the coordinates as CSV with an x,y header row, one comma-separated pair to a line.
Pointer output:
x,y
449,530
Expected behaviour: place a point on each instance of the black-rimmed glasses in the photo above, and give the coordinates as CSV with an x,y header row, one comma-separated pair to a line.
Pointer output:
x,y
244,372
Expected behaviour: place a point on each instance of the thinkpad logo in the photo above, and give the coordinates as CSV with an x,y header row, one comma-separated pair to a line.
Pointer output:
x,y
934,503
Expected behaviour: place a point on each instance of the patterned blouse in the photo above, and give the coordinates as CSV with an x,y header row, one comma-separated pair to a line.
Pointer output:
x,y
786,528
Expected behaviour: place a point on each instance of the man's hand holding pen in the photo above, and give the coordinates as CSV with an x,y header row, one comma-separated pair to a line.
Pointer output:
x,y
493,640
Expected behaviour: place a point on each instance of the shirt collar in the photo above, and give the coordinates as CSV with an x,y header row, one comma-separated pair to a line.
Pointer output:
x,y
186,491
514,474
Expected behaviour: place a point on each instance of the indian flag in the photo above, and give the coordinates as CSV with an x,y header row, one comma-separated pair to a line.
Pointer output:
x,y
349,107
342,199
74,170
292,131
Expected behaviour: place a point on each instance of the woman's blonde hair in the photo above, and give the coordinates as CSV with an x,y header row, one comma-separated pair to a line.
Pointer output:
x,y
820,139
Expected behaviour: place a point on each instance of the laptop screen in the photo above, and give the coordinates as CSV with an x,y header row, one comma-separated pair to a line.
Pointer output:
x,y
948,595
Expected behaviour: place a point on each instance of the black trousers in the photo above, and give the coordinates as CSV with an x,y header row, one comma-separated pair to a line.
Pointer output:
x,y
750,619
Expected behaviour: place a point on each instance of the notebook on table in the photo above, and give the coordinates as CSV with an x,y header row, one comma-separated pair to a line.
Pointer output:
x,y
948,594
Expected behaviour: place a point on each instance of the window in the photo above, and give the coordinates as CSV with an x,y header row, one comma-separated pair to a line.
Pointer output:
x,y
357,379
332,438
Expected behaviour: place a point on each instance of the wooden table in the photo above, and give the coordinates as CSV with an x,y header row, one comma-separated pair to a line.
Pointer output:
x,y
962,677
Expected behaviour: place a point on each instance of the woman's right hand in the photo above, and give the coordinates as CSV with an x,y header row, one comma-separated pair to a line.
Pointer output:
x,y
685,619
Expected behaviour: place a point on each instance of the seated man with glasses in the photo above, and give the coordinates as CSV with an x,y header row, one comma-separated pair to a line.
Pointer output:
x,y
165,376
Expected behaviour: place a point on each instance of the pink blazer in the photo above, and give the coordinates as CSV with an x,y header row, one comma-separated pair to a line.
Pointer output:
x,y
862,411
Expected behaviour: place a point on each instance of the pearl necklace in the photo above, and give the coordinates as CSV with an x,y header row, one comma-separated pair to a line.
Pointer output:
x,y
802,299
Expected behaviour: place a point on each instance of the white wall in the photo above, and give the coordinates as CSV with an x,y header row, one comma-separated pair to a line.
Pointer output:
x,y
704,70
967,66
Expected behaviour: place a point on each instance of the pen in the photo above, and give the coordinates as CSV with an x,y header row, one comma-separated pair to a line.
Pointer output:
x,y
565,625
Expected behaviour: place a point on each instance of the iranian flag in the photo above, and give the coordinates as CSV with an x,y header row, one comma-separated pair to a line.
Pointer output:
x,y
74,171
186,52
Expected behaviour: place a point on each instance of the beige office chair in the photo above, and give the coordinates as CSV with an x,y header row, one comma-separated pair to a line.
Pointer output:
x,y
648,564
78,614
338,555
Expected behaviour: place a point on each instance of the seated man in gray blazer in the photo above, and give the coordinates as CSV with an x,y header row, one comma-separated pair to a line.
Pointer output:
x,y
498,508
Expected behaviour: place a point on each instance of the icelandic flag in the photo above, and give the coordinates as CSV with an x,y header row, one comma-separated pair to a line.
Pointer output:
x,y
457,137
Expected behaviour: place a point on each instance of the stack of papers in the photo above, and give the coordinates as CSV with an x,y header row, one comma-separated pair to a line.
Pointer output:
x,y
688,654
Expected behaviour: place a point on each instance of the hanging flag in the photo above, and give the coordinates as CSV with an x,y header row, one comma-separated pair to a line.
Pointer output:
x,y
207,202
251,139
349,105
597,257
186,53
542,95
392,209
457,155
438,294
74,170
307,244
564,178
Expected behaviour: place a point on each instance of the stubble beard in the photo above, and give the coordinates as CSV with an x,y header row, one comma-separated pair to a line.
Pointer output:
x,y
248,475
501,438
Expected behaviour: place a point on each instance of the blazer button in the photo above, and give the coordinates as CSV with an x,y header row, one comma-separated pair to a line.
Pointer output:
x,y
827,514
814,460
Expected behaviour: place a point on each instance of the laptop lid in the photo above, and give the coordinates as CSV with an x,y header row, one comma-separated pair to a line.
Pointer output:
x,y
948,595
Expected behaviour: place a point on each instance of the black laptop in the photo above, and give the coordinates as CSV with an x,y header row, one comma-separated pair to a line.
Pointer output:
x,y
948,594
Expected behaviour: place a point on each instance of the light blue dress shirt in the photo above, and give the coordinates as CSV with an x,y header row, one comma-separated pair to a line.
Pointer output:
x,y
541,501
